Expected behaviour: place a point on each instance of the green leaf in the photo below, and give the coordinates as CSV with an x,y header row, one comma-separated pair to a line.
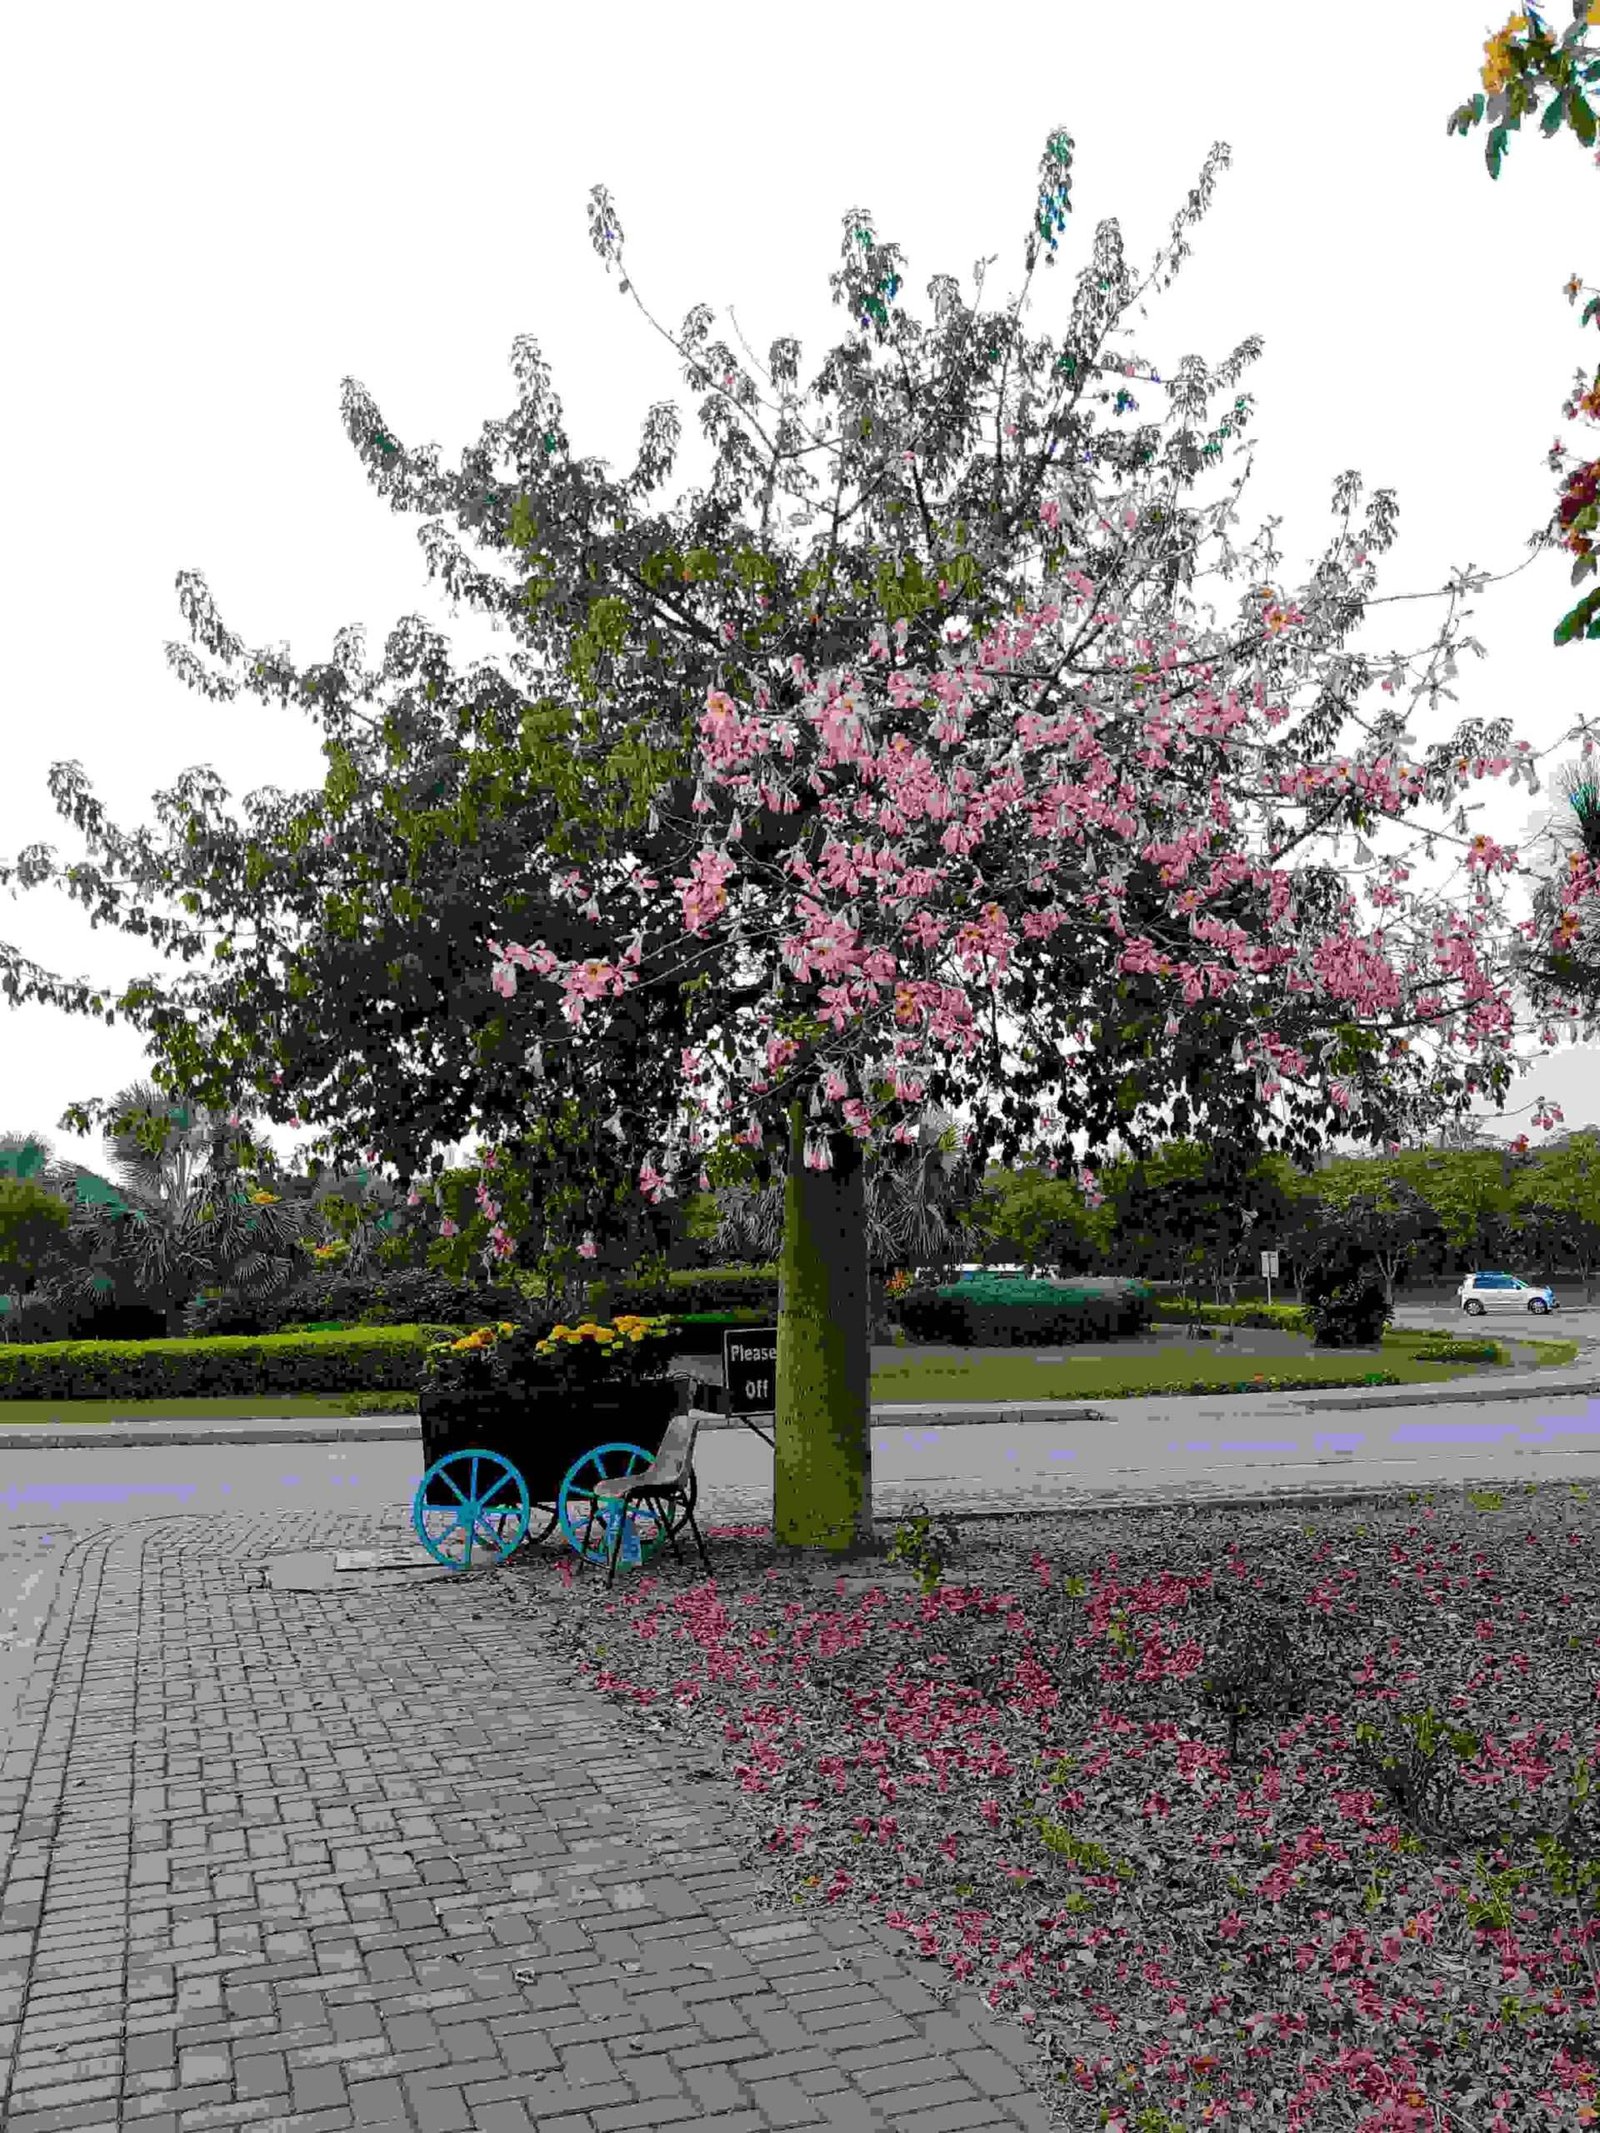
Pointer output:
x,y
1581,619
1582,116
1495,150
1552,118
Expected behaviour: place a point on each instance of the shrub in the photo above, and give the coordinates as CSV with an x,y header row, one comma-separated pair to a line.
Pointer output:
x,y
707,1289
391,1296
1003,1311
1448,1351
1344,1297
37,1318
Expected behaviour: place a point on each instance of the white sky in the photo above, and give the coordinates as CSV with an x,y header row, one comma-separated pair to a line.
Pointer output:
x,y
216,217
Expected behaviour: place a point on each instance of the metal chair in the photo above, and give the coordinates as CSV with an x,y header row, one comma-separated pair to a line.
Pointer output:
x,y
665,1481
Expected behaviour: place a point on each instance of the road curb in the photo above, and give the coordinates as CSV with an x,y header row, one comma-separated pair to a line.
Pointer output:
x,y
406,1429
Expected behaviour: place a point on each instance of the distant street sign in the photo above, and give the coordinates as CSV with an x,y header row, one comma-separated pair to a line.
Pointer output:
x,y
1269,1265
750,1369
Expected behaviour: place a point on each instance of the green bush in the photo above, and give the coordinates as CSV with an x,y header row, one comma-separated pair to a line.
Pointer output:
x,y
380,1358
1344,1297
389,1296
1004,1311
1449,1351
1281,1318
701,1290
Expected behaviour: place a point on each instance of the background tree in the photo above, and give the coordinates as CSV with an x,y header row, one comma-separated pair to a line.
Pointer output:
x,y
1557,1199
190,1212
1291,1223
1467,1194
31,1219
1188,1208
1043,1220
1376,1204
72,1261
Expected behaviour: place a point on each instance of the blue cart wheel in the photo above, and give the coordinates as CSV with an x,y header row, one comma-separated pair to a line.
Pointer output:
x,y
644,1534
467,1501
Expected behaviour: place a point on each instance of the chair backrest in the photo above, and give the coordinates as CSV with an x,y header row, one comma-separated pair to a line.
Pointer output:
x,y
671,1463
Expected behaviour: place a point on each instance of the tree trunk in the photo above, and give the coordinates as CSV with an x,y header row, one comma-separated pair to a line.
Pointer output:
x,y
822,1464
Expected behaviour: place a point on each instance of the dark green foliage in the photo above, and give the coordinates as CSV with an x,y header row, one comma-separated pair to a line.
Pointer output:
x,y
1004,1312
398,1296
1343,1293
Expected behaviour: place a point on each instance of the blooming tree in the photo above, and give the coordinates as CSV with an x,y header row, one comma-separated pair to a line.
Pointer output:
x,y
1052,859
931,788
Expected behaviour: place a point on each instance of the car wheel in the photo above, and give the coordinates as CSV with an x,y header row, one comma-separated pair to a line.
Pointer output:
x,y
1538,1304
1473,1306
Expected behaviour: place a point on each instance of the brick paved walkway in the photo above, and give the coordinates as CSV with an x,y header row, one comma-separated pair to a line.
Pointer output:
x,y
367,1858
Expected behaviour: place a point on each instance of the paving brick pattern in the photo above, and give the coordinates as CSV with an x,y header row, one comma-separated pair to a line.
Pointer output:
x,y
367,1858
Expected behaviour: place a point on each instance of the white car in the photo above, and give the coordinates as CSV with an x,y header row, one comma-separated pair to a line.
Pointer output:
x,y
1504,1292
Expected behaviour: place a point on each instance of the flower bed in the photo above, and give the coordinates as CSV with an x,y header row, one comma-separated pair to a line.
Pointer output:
x,y
1266,1817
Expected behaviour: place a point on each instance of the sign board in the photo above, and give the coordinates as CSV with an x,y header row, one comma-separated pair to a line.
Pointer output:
x,y
750,1369
1269,1264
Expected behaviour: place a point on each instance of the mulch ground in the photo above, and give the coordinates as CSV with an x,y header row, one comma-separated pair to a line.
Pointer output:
x,y
1269,1817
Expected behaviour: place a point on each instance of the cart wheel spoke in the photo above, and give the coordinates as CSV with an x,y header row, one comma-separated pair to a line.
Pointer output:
x,y
643,1533
470,1504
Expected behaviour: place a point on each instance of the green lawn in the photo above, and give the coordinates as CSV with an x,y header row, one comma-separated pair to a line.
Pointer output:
x,y
275,1407
1020,1376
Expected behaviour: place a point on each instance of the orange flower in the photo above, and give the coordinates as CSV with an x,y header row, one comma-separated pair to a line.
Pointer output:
x,y
1498,68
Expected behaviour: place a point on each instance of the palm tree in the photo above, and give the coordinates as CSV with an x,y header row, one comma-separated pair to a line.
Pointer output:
x,y
182,1215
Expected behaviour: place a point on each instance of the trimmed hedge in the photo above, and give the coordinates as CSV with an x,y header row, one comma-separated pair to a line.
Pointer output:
x,y
707,1289
1004,1311
1282,1318
379,1358
1449,1351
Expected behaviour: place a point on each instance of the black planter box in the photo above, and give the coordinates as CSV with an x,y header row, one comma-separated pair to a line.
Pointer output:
x,y
544,1431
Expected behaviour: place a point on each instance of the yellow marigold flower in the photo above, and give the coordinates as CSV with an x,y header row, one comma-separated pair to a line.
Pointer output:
x,y
559,1332
506,1327
264,1199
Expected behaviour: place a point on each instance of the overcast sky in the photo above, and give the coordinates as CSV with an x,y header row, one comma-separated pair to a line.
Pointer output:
x,y
215,217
